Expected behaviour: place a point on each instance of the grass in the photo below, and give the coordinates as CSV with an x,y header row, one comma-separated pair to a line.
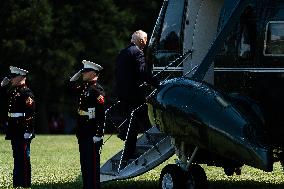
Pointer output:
x,y
55,165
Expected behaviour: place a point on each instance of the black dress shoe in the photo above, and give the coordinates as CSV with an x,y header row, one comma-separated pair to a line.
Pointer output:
x,y
121,136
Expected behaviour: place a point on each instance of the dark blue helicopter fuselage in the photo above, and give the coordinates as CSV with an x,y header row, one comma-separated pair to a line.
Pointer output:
x,y
200,115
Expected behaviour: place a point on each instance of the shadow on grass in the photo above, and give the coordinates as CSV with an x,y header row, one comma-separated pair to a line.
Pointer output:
x,y
130,184
243,185
66,185
212,185
76,184
153,184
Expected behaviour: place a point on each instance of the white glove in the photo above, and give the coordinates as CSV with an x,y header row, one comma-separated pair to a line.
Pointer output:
x,y
76,76
28,135
5,81
97,139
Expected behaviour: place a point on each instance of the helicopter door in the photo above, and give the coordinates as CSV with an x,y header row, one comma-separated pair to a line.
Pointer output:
x,y
237,58
165,44
271,80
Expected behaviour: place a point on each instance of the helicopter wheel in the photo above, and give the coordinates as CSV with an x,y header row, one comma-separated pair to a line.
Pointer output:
x,y
172,177
196,177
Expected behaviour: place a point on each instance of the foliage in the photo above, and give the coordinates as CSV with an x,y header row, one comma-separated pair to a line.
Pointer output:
x,y
50,39
55,165
145,13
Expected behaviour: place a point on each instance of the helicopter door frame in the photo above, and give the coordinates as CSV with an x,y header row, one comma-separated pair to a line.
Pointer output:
x,y
168,45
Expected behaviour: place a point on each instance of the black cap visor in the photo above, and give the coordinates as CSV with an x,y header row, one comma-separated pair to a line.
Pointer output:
x,y
12,75
89,70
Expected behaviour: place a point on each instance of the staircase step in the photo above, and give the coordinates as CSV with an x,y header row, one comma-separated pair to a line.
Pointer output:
x,y
141,149
115,164
154,138
112,173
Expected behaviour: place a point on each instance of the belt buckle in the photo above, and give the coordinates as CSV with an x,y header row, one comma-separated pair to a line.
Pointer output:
x,y
92,113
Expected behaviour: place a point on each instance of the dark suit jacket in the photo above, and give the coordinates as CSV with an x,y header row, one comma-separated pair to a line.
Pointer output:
x,y
130,73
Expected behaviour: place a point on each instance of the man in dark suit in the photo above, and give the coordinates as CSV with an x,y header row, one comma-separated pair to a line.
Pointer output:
x,y
130,75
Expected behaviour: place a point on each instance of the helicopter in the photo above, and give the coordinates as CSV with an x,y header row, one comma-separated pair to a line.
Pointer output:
x,y
220,99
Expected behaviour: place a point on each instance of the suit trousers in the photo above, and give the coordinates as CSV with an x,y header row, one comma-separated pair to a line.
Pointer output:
x,y
139,123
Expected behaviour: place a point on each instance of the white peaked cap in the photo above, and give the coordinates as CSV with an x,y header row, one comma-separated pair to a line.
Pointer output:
x,y
18,71
91,65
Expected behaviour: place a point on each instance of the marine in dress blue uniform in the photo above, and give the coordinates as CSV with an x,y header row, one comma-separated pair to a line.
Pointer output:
x,y
91,116
20,128
3,108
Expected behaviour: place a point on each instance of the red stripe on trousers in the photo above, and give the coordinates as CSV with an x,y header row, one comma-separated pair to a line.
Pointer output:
x,y
25,165
95,168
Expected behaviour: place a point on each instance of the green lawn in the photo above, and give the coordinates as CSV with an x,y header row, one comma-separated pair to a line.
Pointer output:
x,y
55,165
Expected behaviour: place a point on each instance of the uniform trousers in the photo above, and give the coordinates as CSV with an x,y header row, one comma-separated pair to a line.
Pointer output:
x,y
22,163
90,162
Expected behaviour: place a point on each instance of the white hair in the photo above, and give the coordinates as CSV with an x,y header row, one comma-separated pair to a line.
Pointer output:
x,y
136,36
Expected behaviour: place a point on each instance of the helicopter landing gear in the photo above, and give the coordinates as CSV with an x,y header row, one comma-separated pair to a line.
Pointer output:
x,y
174,177
196,177
191,176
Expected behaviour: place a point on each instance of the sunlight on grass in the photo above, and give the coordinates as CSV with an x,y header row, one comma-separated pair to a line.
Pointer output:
x,y
55,165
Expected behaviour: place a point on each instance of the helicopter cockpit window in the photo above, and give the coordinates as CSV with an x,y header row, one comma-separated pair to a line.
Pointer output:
x,y
171,31
274,39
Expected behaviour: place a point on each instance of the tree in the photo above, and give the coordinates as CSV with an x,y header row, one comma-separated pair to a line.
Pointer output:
x,y
145,13
26,28
50,39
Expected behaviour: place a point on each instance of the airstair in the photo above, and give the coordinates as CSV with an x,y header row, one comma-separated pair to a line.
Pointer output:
x,y
152,149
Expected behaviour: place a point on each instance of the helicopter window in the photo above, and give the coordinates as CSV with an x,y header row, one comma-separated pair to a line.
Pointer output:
x,y
171,31
274,39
